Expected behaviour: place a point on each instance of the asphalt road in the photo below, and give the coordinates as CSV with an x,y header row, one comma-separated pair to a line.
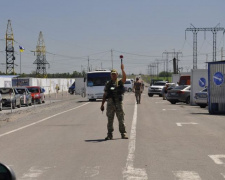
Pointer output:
x,y
64,140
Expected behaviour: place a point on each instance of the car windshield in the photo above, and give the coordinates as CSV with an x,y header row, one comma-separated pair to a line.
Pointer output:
x,y
159,84
21,91
33,90
127,82
6,91
179,87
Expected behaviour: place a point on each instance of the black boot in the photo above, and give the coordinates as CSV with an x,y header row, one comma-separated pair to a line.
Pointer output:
x,y
124,136
109,137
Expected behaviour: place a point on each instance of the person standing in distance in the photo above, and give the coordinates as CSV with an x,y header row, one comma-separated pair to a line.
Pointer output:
x,y
137,90
114,90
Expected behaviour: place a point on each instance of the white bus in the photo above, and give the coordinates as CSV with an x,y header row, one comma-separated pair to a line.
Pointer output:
x,y
93,85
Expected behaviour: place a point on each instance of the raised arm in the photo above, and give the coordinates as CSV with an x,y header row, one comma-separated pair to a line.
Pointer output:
x,y
124,77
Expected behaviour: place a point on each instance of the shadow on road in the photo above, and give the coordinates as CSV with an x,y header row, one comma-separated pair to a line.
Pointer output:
x,y
100,140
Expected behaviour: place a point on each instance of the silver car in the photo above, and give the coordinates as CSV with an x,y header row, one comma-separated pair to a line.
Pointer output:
x,y
10,97
25,96
201,98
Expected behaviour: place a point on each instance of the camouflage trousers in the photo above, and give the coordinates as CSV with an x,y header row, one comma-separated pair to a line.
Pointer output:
x,y
138,96
112,109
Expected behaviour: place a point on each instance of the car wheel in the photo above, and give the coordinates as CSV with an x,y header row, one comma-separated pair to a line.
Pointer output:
x,y
160,95
202,106
150,95
18,106
187,100
173,102
14,105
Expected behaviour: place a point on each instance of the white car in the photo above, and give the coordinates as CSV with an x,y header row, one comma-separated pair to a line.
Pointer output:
x,y
128,85
156,88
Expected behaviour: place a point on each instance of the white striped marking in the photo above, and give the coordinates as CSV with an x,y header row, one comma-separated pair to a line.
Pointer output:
x,y
34,172
92,171
32,124
217,158
186,175
223,174
129,171
184,123
169,109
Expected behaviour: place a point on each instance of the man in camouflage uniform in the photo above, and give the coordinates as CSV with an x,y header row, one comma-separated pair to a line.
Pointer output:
x,y
138,90
114,90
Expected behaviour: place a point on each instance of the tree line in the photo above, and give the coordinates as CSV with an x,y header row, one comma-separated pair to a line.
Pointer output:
x,y
53,75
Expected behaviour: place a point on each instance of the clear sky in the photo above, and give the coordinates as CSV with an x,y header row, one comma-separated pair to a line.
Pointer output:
x,y
141,30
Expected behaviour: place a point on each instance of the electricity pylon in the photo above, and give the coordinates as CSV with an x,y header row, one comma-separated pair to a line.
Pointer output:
x,y
195,31
41,57
10,58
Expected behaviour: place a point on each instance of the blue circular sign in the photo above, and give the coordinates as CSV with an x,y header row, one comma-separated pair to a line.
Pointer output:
x,y
202,82
218,78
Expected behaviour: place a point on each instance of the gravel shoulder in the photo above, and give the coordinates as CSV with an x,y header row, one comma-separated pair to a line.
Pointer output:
x,y
52,105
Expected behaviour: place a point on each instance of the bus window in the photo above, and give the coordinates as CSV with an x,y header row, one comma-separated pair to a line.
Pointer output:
x,y
98,79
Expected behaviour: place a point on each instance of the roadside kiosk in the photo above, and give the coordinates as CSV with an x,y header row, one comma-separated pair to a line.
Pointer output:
x,y
216,88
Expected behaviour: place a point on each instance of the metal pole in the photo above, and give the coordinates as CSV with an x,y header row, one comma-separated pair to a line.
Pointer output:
x,y
20,63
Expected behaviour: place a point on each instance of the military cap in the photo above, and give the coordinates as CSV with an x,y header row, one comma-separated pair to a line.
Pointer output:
x,y
113,71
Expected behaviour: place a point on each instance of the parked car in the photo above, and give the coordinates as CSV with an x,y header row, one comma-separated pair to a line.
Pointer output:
x,y
25,96
10,96
167,87
71,88
179,94
37,94
0,102
128,85
201,98
156,88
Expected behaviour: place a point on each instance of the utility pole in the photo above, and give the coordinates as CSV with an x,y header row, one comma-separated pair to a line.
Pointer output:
x,y
176,56
10,58
164,62
41,57
112,57
88,65
195,31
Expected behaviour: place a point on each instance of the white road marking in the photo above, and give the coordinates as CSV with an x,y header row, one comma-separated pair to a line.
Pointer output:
x,y
217,158
34,172
129,171
186,123
169,109
92,171
32,124
186,175
223,174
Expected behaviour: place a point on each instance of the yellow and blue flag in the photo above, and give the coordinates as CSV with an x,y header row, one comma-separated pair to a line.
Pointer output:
x,y
21,48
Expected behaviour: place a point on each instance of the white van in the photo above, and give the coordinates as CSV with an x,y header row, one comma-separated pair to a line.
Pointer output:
x,y
128,85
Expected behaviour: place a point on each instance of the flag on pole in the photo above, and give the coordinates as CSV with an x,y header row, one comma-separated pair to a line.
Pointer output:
x,y
21,48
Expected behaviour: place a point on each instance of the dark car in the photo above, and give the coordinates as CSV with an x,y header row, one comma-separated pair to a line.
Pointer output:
x,y
25,96
179,94
71,88
201,98
0,102
37,94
